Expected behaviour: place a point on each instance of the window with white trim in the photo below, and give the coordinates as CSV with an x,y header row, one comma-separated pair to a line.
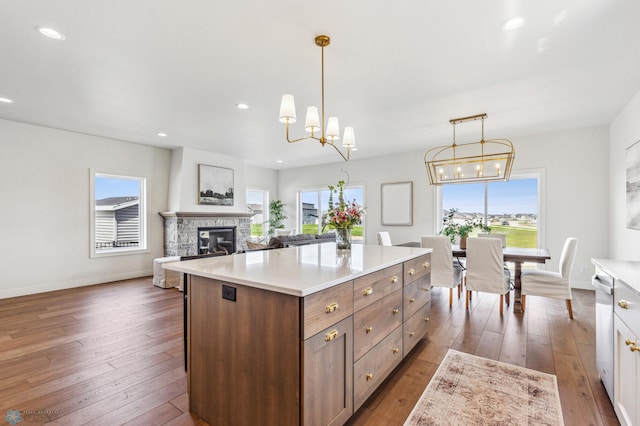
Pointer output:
x,y
118,214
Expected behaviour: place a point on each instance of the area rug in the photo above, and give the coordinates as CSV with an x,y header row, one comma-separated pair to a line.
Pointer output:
x,y
471,390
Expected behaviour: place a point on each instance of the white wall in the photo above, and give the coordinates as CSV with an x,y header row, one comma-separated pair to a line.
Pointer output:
x,y
574,177
624,132
44,212
183,185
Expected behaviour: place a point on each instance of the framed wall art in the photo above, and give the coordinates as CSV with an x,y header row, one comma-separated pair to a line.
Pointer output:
x,y
397,203
215,185
633,186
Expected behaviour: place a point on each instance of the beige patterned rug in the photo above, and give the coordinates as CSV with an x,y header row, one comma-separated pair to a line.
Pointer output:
x,y
471,390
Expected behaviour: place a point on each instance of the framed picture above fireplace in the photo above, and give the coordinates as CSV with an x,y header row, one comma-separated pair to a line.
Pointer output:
x,y
215,185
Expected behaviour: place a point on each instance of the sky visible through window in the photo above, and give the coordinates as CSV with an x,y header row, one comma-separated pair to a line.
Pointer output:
x,y
512,197
106,187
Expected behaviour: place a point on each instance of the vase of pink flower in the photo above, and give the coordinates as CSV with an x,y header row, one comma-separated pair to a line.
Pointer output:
x,y
342,216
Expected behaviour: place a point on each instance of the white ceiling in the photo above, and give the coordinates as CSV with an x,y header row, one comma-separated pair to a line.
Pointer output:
x,y
396,71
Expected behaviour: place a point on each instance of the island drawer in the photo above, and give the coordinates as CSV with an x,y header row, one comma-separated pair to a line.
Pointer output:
x,y
416,295
375,366
416,268
375,286
627,306
416,327
327,307
375,322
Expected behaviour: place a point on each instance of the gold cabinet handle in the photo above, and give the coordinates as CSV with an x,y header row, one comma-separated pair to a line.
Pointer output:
x,y
426,289
394,279
634,348
412,271
426,319
395,311
623,304
629,342
332,335
426,265
412,300
367,291
413,333
332,307
395,350
368,329
369,376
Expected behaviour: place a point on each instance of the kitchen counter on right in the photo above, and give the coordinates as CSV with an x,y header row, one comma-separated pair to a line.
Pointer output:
x,y
626,271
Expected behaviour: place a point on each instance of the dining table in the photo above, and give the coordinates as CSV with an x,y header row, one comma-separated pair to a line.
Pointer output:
x,y
516,255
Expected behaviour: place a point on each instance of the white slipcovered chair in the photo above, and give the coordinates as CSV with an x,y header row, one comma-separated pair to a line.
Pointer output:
x,y
552,284
384,239
444,273
501,237
485,271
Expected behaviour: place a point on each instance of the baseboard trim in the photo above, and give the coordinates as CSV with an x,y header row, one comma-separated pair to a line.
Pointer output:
x,y
43,288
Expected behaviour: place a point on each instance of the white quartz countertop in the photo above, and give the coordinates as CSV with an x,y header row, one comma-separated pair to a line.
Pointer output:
x,y
298,271
626,271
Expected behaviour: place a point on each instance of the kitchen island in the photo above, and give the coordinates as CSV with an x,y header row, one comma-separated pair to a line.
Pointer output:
x,y
300,335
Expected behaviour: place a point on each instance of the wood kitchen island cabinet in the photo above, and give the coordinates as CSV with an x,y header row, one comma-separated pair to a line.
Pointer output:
x,y
301,335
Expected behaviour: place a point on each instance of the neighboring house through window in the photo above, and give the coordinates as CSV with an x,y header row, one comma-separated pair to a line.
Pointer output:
x,y
118,216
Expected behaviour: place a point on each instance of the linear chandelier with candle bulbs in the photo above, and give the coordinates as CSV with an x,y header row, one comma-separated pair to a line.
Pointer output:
x,y
312,123
482,161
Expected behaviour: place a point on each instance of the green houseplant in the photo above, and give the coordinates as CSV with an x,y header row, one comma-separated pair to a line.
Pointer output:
x,y
276,216
453,229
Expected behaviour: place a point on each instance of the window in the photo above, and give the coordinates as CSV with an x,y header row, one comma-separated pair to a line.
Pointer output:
x,y
258,202
510,208
118,214
314,203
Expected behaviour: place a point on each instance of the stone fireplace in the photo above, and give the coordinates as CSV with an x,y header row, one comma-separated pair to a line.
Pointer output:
x,y
183,232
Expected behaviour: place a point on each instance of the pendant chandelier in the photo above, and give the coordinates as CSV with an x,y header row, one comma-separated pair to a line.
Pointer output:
x,y
313,123
482,161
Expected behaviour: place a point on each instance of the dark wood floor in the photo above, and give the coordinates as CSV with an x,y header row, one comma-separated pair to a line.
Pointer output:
x,y
112,354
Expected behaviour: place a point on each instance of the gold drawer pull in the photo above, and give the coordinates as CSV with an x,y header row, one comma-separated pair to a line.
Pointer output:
x,y
634,348
368,329
629,342
413,333
394,279
395,311
412,271
332,335
367,291
632,345
426,265
623,304
331,307
426,319
412,300
395,350
369,376
426,289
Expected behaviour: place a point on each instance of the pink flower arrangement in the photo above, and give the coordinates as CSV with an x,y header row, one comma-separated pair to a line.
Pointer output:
x,y
344,214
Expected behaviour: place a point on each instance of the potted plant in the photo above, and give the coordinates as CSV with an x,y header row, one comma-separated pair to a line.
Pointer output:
x,y
452,229
276,216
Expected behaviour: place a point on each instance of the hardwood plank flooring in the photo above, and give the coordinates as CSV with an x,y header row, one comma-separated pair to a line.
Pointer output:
x,y
111,354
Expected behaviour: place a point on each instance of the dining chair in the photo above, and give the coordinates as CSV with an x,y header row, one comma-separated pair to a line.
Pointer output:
x,y
444,271
552,284
501,237
485,271
384,239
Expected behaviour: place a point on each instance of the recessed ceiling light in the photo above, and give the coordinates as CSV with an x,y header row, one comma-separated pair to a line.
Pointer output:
x,y
513,23
279,161
242,106
162,134
50,32
6,100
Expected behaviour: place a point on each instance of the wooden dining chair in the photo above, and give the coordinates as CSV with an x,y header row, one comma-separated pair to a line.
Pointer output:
x,y
552,284
485,271
444,271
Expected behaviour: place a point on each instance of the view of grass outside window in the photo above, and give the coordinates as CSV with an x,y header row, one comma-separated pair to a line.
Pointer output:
x,y
314,203
257,202
509,208
118,214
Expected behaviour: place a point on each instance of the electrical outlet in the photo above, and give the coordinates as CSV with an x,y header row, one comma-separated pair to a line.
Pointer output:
x,y
229,293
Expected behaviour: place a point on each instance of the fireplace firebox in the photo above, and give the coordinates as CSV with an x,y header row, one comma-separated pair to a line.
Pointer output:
x,y
217,240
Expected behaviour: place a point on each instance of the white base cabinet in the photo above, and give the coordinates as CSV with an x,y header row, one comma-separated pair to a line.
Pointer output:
x,y
627,380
